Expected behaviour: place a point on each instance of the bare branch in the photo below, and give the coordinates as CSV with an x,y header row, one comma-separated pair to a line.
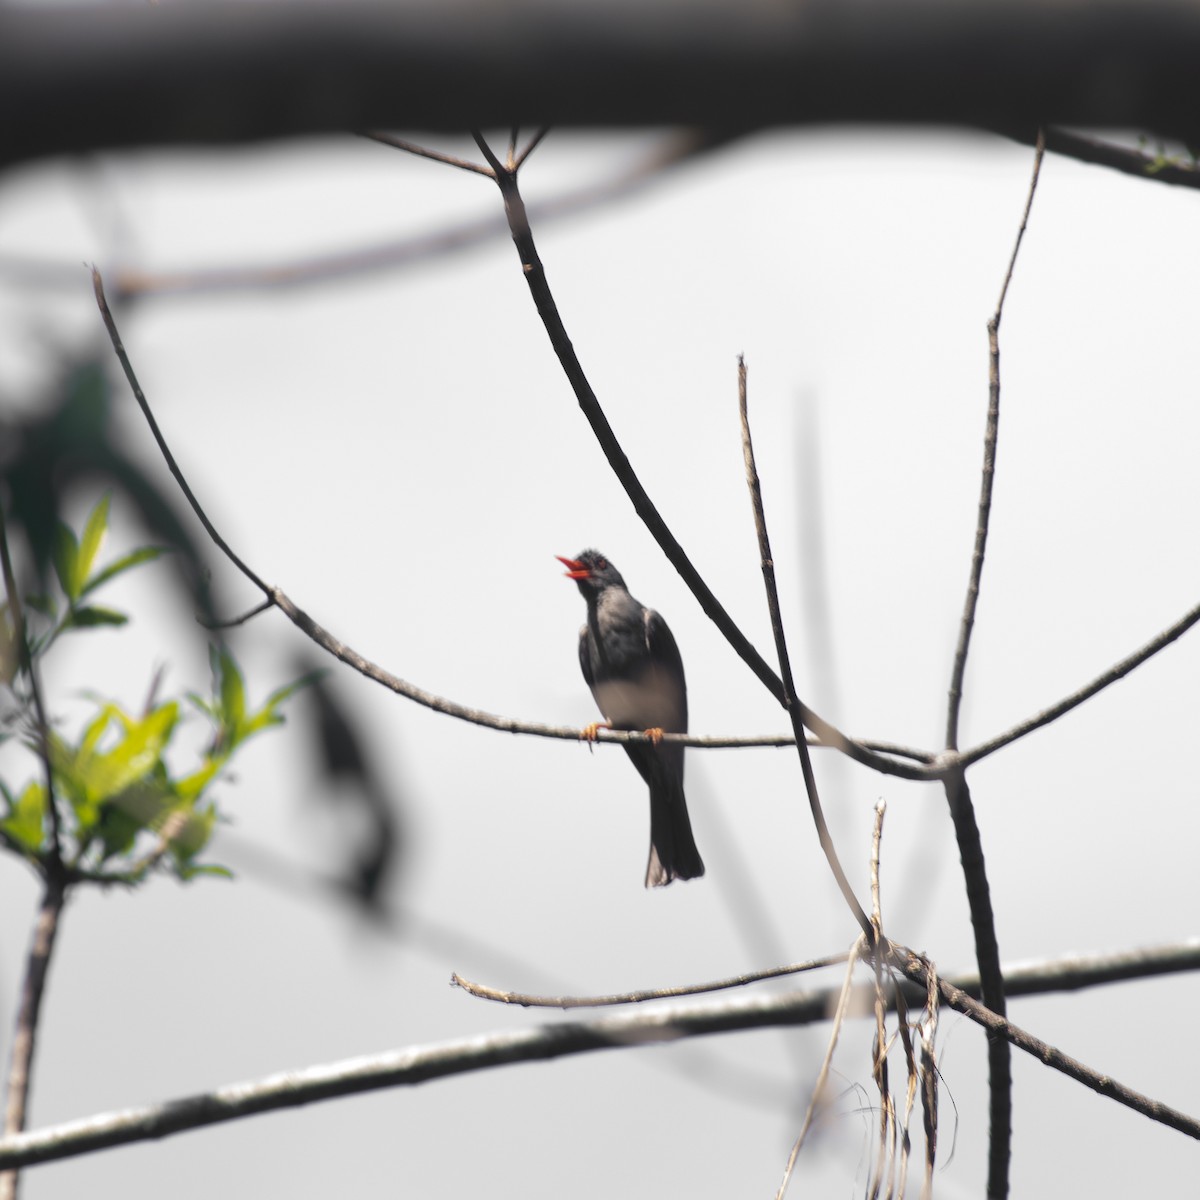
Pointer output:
x,y
988,473
451,160
118,346
1112,675
527,1000
915,968
789,699
958,795
20,1067
422,1063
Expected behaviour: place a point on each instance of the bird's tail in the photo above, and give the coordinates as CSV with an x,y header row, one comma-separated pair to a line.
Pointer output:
x,y
673,853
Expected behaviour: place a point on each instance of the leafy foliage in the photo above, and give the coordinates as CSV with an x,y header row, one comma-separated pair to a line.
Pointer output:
x,y
120,810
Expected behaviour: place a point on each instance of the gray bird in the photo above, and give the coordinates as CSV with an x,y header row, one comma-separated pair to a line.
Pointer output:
x,y
631,663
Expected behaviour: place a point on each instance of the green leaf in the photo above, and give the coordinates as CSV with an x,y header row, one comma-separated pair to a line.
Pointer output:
x,y
25,823
192,786
134,810
66,560
132,559
231,693
135,755
93,536
92,615
189,871
90,777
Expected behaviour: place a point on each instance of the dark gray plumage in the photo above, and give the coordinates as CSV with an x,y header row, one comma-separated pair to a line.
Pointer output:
x,y
632,665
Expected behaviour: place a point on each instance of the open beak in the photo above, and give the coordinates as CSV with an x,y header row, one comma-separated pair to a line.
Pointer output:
x,y
575,569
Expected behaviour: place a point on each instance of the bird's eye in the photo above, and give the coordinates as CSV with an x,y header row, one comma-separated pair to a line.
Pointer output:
x,y
601,564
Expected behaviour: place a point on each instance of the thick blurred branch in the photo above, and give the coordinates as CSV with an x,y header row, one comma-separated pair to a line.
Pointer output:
x,y
93,76
419,1064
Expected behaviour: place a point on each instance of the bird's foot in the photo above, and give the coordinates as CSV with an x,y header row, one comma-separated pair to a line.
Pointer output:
x,y
655,734
589,733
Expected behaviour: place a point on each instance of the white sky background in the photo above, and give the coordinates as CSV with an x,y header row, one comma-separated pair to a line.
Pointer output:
x,y
402,455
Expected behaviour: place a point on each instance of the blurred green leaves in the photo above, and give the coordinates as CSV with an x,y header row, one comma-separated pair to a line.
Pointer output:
x,y
123,809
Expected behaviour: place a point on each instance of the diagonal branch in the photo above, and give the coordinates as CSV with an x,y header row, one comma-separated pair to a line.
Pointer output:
x,y
1116,672
547,309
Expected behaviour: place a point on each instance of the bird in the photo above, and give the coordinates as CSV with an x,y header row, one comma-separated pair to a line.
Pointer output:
x,y
632,665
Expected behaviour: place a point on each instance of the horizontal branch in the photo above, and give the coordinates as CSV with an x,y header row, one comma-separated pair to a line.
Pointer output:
x,y
419,1064
87,77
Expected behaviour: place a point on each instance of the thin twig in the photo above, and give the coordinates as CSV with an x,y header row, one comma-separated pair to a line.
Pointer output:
x,y
20,1067
879,1063
929,1079
119,347
422,1063
399,143
1114,673
988,474
818,1091
536,141
958,795
790,700
528,1000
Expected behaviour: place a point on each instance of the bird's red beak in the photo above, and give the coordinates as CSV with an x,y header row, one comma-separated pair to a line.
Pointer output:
x,y
575,568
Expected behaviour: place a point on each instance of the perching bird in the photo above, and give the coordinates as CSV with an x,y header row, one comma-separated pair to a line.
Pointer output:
x,y
631,663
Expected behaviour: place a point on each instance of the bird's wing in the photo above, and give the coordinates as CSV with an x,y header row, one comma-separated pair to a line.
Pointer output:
x,y
660,643
585,658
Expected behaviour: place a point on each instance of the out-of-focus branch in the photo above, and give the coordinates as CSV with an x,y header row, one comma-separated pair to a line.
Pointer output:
x,y
33,987
1156,168
86,77
422,1063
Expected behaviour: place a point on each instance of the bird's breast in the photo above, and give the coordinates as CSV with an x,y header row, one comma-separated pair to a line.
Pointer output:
x,y
648,700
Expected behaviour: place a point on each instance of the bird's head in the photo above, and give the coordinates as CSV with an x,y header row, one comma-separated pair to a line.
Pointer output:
x,y
592,572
